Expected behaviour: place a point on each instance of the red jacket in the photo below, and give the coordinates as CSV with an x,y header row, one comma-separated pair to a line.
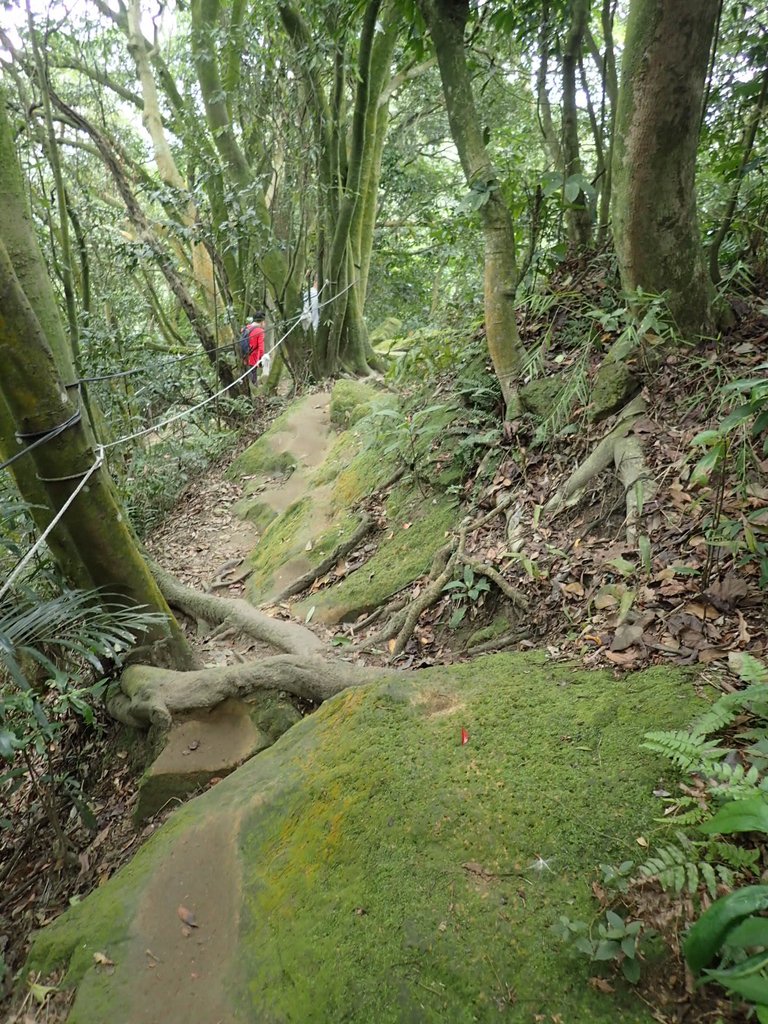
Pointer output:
x,y
255,344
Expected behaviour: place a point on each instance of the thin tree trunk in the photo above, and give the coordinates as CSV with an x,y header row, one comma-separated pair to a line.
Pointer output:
x,y
447,20
655,225
38,401
750,134
578,217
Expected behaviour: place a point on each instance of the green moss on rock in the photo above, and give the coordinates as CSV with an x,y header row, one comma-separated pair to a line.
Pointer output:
x,y
614,385
400,558
351,400
261,458
387,873
540,395
255,511
280,542
388,329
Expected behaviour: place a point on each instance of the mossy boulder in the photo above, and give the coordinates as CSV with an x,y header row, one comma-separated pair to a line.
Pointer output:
x,y
262,459
614,385
350,401
540,395
370,867
255,511
388,329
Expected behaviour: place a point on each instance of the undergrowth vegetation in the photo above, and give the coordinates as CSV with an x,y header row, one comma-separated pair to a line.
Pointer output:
x,y
708,858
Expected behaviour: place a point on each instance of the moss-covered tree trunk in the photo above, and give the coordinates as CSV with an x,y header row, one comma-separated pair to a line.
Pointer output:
x,y
348,180
447,20
258,245
95,525
578,216
655,226
95,545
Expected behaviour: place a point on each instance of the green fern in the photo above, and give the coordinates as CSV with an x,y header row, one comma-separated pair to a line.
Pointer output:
x,y
678,866
691,752
735,782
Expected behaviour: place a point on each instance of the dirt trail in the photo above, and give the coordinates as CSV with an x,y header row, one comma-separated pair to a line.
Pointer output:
x,y
203,543
306,435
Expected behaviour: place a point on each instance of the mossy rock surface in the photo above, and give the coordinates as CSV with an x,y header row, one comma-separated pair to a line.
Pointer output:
x,y
262,459
368,867
614,385
405,552
389,328
352,400
540,395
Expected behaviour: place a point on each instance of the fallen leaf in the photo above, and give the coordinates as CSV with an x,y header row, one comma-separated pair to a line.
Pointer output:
x,y
625,660
103,960
744,636
187,917
712,654
727,593
41,992
602,985
642,841
625,636
574,588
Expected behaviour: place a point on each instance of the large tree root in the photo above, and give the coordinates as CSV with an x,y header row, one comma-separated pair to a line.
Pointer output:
x,y
305,581
622,449
402,624
150,697
571,491
237,614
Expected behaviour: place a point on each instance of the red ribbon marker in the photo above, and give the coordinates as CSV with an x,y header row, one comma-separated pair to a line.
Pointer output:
x,y
464,737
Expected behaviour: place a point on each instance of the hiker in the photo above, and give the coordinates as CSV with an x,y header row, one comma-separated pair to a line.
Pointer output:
x,y
252,344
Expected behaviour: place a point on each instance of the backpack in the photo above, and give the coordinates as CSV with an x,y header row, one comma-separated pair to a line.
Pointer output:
x,y
245,340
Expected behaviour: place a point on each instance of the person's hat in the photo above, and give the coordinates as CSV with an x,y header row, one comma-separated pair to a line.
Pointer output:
x,y
261,315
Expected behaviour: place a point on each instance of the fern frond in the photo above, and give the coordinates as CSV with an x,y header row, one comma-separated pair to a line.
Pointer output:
x,y
691,752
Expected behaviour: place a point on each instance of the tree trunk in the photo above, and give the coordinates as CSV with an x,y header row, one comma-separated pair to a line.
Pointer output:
x,y
578,216
38,402
750,134
655,225
446,20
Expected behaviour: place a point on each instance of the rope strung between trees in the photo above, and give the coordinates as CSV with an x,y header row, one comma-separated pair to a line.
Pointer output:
x,y
41,438
20,566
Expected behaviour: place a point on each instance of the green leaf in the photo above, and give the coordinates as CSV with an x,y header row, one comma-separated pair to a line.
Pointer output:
x,y
622,565
751,932
7,744
457,617
762,1014
614,920
709,933
753,987
738,416
630,968
584,945
707,438
629,945
739,816
607,949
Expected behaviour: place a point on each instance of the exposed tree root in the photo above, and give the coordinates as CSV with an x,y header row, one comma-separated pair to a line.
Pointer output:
x,y
150,697
501,642
571,491
305,581
237,614
403,622
639,485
